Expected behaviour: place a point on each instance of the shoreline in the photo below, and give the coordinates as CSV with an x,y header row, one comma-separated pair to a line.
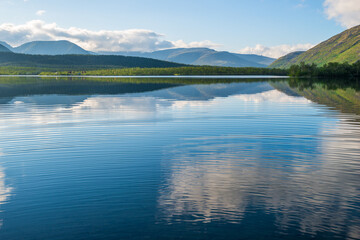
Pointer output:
x,y
153,76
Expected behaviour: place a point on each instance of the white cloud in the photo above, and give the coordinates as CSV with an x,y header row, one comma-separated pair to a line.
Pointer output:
x,y
275,51
40,12
202,44
104,40
346,12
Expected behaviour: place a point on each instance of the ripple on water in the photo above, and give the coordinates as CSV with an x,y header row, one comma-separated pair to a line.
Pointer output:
x,y
201,161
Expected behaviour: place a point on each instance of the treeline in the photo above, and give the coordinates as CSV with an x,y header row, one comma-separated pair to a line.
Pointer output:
x,y
328,83
13,70
37,70
180,71
329,70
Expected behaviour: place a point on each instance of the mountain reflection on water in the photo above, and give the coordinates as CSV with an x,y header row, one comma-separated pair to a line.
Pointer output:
x,y
234,159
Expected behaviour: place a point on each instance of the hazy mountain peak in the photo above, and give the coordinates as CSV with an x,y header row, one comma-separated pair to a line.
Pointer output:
x,y
4,48
61,47
6,45
202,56
192,56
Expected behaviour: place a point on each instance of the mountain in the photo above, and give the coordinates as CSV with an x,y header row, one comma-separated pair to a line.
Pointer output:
x,y
190,56
80,61
287,59
202,56
257,58
181,55
225,59
6,45
344,47
50,48
3,48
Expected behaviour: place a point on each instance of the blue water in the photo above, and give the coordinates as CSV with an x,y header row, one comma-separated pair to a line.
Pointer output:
x,y
233,160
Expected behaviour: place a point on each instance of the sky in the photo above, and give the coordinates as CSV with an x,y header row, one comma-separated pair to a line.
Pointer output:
x,y
267,27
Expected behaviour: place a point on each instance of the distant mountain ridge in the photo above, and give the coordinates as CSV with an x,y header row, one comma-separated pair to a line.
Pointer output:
x,y
4,48
6,45
190,56
257,58
202,56
50,48
341,48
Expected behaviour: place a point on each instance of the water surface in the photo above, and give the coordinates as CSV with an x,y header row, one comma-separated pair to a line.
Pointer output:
x,y
178,159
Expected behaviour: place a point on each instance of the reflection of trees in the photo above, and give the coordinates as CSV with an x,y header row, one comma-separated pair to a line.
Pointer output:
x,y
327,83
17,87
341,96
218,180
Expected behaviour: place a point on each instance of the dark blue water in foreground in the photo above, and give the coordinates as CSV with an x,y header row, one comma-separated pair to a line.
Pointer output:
x,y
240,160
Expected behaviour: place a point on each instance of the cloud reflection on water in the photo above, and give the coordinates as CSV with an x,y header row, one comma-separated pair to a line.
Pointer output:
x,y
5,190
121,107
219,177
212,180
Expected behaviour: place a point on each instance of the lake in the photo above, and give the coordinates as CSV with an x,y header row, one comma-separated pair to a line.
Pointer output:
x,y
178,158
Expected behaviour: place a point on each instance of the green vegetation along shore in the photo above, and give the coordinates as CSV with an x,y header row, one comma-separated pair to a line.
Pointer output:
x,y
330,70
80,61
205,70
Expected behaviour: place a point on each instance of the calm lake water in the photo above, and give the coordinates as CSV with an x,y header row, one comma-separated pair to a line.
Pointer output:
x,y
178,159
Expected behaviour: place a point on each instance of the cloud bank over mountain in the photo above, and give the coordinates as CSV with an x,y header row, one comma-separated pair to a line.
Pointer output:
x,y
275,51
346,13
104,40
141,40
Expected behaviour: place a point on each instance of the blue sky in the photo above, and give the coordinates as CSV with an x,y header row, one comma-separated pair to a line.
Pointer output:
x,y
233,25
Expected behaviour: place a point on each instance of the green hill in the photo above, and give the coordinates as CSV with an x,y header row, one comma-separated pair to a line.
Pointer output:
x,y
287,59
344,47
81,61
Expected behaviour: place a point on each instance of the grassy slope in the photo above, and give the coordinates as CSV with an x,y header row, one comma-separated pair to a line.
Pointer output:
x,y
344,47
289,58
80,61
